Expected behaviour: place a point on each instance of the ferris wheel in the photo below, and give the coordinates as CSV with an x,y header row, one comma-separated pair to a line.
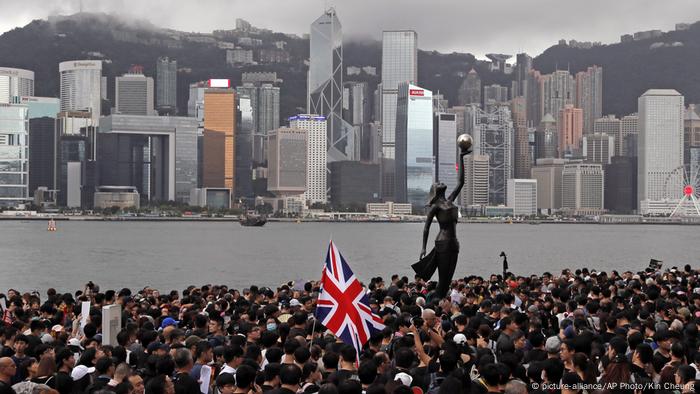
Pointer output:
x,y
683,185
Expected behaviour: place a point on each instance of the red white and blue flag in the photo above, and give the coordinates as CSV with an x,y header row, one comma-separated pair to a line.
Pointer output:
x,y
343,304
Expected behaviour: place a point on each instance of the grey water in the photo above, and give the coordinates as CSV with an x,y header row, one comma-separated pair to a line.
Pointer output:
x,y
173,255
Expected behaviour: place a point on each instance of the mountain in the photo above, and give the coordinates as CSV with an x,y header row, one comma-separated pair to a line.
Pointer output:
x,y
630,68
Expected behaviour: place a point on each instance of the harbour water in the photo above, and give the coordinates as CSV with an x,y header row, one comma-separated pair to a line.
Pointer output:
x,y
172,255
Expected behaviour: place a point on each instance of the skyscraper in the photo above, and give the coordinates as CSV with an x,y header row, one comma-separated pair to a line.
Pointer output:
x,y
244,146
316,162
660,147
287,161
629,129
522,196
219,138
42,112
399,64
522,70
415,164
583,188
134,93
470,90
445,149
691,132
166,85
476,180
356,111
598,148
610,125
14,154
495,94
589,95
570,125
81,84
559,90
265,101
521,148
325,94
535,97
15,83
548,173
493,136
547,138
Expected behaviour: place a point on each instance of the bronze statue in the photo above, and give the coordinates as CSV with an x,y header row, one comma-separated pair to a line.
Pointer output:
x,y
443,257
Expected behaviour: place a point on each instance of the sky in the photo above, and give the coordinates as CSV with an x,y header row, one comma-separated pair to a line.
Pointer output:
x,y
474,26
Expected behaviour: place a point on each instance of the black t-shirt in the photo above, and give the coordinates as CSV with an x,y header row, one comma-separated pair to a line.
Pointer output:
x,y
185,384
64,383
659,361
6,388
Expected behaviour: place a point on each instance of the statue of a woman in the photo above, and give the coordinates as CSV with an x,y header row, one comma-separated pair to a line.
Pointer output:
x,y
444,256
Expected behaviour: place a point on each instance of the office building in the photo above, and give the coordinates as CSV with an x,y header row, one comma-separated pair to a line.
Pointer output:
x,y
316,159
155,154
570,125
42,112
265,101
415,166
621,185
598,148
15,83
399,65
244,146
134,93
445,149
476,181
558,91
629,131
287,156
523,66
353,184
589,96
691,132
583,188
495,94
75,171
389,208
211,198
493,135
548,173
81,85
521,145
14,155
611,126
357,112
660,147
522,196
534,97
218,145
470,91
547,138
325,94
166,85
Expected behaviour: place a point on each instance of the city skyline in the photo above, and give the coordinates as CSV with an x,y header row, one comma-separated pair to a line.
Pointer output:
x,y
475,36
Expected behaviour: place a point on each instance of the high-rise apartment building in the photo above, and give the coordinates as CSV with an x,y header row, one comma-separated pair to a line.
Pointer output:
x,y
445,149
81,85
660,147
15,83
287,161
495,95
534,89
134,93
219,138
493,135
583,188
14,154
476,180
598,148
559,89
415,166
589,96
523,66
570,125
166,85
548,173
316,160
325,94
470,90
522,196
521,143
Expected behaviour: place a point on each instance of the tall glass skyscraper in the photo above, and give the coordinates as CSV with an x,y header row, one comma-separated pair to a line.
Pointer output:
x,y
325,90
415,167
15,83
81,84
14,154
166,85
445,149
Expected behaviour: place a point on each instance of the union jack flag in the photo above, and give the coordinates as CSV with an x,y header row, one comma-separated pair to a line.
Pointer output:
x,y
343,304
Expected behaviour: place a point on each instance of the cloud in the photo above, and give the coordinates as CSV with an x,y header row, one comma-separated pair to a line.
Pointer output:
x,y
475,26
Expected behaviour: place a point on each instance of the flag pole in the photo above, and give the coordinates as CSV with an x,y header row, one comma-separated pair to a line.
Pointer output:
x,y
313,327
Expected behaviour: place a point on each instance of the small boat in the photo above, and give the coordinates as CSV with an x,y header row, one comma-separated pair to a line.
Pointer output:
x,y
252,219
51,226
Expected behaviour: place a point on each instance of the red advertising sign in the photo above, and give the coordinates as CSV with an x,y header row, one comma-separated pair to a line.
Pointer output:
x,y
415,92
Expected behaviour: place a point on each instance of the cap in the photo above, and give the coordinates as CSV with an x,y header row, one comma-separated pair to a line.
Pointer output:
x,y
552,345
169,321
46,338
80,371
294,302
75,342
459,339
404,378
57,328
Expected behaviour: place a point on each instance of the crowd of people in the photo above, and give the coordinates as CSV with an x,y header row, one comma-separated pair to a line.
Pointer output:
x,y
575,332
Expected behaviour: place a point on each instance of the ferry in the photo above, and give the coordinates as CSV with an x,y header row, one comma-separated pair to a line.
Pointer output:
x,y
251,219
51,226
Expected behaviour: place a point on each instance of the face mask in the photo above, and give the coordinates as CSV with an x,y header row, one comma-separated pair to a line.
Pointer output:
x,y
271,326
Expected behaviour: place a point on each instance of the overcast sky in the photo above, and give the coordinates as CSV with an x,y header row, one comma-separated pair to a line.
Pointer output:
x,y
475,26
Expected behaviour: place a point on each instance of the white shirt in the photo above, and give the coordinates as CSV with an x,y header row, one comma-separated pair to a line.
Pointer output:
x,y
227,369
